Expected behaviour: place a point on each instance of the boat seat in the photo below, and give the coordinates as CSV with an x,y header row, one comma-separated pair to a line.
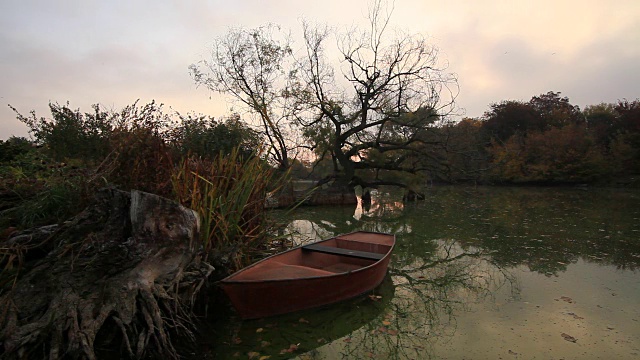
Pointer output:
x,y
343,252
277,270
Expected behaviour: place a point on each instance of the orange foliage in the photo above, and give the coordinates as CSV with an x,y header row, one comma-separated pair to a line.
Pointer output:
x,y
565,154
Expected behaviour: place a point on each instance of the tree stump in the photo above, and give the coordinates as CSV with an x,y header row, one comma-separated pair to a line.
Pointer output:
x,y
123,273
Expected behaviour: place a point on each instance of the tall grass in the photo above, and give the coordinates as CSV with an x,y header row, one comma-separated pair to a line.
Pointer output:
x,y
229,194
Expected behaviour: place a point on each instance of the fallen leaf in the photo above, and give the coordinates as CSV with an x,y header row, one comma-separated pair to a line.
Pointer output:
x,y
392,332
253,354
303,321
567,299
259,330
265,357
237,340
265,344
236,354
321,341
386,323
575,316
347,340
568,337
375,297
292,348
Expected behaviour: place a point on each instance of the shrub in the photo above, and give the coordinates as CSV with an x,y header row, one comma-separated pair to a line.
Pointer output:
x,y
205,137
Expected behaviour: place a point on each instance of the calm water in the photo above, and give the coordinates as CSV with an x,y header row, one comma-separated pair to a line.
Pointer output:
x,y
487,273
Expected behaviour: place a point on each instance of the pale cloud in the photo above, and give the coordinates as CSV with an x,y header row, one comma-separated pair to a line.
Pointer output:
x,y
113,53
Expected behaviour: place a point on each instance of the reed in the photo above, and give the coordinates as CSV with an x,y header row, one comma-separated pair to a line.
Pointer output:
x,y
229,194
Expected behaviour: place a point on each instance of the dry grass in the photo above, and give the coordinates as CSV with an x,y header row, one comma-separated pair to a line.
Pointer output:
x,y
229,194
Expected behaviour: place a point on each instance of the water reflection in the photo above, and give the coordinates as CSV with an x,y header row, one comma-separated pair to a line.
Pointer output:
x,y
285,336
545,229
379,205
429,293
414,308
476,273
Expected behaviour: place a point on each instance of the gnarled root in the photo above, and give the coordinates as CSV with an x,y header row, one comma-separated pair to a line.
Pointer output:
x,y
122,274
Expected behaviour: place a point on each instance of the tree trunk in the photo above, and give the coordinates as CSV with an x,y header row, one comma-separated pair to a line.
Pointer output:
x,y
124,272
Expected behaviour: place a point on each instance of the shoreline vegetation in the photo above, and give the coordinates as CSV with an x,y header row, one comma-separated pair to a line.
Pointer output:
x,y
97,247
63,191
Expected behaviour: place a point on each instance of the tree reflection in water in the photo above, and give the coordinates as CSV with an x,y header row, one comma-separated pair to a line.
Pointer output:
x,y
453,277
428,293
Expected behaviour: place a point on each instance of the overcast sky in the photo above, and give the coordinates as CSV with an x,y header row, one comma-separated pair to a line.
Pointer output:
x,y
114,52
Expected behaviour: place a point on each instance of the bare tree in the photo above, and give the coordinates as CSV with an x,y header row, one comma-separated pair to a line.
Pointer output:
x,y
396,92
250,65
372,112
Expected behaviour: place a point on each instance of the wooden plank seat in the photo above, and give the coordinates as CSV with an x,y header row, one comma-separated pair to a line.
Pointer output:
x,y
343,252
277,270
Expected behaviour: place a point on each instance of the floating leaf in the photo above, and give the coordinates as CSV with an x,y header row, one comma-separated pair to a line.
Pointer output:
x,y
568,337
259,330
253,354
292,348
575,316
566,299
265,357
303,321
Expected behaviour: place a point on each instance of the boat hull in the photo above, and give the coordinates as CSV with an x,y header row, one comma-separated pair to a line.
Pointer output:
x,y
307,280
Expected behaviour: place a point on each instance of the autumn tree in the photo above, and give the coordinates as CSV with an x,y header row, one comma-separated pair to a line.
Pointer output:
x,y
602,121
463,147
556,110
549,140
565,154
507,118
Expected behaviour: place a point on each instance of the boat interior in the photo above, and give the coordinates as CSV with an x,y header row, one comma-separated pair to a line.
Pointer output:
x,y
338,255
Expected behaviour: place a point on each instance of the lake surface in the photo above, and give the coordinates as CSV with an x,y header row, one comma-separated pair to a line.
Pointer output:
x,y
477,273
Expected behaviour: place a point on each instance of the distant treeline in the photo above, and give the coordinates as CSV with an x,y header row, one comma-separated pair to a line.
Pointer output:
x,y
545,140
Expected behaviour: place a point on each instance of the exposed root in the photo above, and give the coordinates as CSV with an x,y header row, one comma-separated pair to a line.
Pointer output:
x,y
125,269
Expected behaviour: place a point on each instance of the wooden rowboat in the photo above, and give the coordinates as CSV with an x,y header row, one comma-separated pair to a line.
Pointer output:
x,y
312,275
